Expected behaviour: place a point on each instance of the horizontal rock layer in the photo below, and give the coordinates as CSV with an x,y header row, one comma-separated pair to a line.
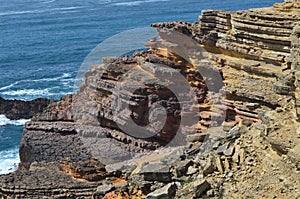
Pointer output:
x,y
254,50
255,34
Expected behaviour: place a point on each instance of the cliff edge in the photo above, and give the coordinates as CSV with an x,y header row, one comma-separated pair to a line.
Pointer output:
x,y
238,70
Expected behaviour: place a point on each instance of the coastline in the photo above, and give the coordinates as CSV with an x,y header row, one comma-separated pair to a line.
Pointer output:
x,y
255,51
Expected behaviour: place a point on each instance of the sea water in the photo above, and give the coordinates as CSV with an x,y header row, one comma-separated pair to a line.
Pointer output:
x,y
43,42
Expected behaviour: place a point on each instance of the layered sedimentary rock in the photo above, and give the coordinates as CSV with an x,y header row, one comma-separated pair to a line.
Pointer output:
x,y
295,55
219,84
18,109
258,34
129,87
106,103
253,49
295,52
79,133
253,44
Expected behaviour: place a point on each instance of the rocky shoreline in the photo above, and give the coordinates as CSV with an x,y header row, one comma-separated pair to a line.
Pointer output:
x,y
18,109
243,140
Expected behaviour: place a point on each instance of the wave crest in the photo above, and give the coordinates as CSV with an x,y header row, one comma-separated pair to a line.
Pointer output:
x,y
5,121
136,3
9,160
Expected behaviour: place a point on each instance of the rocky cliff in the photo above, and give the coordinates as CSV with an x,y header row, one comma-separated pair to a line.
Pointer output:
x,y
18,109
218,101
252,44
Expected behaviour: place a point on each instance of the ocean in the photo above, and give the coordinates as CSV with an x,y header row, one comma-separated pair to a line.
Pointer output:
x,y
44,42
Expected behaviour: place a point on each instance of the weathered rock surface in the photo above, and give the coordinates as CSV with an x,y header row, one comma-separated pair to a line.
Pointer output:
x,y
82,133
245,140
126,91
254,45
167,192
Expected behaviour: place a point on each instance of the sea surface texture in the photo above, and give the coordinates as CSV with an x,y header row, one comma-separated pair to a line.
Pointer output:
x,y
44,42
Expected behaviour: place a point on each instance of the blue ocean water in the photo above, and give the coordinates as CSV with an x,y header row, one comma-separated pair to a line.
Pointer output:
x,y
43,42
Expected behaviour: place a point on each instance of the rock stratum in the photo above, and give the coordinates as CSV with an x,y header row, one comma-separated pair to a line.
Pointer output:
x,y
212,109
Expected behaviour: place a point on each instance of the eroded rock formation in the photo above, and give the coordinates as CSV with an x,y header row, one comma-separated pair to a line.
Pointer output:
x,y
244,87
18,109
254,45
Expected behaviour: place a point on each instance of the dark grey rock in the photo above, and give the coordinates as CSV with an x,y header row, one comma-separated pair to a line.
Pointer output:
x,y
124,167
235,132
18,109
195,148
182,167
229,151
216,145
103,189
210,166
156,172
166,192
206,147
222,148
174,156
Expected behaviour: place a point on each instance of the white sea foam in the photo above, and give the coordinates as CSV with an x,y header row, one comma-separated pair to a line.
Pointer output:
x,y
68,84
28,92
69,8
9,86
65,75
136,3
9,160
10,91
50,1
105,2
18,12
5,121
62,77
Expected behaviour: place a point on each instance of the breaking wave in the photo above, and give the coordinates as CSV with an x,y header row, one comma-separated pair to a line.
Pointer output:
x,y
9,160
5,121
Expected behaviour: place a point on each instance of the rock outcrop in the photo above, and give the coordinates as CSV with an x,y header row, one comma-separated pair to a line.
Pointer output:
x,y
177,121
130,87
18,109
252,44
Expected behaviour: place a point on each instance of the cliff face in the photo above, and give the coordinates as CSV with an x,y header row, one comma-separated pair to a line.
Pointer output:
x,y
128,88
254,44
245,90
250,34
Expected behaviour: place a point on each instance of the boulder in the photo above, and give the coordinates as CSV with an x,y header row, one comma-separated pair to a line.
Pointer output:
x,y
166,192
200,187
